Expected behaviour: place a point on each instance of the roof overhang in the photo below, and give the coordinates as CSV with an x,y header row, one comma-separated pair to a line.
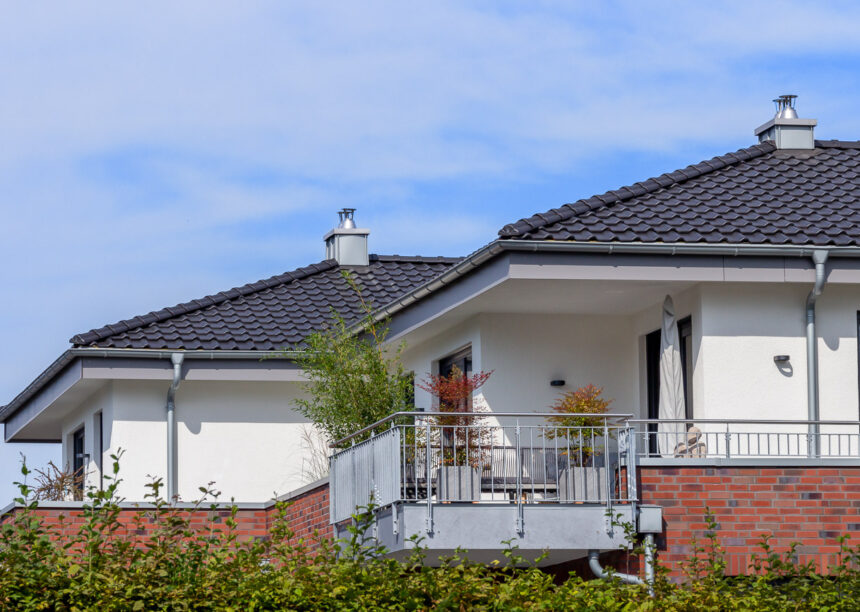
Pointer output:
x,y
35,415
491,251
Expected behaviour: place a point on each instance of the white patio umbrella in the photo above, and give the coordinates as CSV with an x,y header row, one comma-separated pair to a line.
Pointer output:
x,y
671,383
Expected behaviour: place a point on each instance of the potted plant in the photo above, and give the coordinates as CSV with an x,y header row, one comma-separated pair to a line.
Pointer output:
x,y
463,439
579,477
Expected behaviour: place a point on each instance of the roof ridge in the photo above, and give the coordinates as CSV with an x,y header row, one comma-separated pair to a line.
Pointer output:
x,y
156,316
416,258
837,144
640,188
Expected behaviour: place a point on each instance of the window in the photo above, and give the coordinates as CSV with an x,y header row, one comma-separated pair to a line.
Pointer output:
x,y
100,448
685,342
652,376
858,350
462,360
78,464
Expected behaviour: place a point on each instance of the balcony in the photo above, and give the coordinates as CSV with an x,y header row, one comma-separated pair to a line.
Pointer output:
x,y
476,480
457,482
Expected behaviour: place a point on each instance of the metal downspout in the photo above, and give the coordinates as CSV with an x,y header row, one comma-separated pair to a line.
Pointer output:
x,y
594,564
819,257
177,359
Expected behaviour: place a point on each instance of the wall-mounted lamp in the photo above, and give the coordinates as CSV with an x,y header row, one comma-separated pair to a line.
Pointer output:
x,y
781,358
556,383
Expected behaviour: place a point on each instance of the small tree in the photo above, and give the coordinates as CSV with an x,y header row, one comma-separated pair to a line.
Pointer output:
x,y
464,439
352,380
572,410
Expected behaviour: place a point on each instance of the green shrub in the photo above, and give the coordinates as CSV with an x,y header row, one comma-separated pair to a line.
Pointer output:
x,y
177,566
353,379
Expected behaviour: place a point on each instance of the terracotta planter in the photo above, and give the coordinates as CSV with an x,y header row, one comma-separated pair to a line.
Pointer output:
x,y
458,483
582,484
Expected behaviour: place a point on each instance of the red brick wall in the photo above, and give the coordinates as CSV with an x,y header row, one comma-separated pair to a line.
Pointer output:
x,y
809,505
307,515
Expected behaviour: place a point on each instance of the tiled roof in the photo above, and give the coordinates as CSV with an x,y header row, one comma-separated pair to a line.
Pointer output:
x,y
757,195
271,314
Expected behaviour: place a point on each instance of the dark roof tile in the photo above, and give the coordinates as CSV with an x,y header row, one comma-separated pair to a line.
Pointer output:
x,y
270,314
758,195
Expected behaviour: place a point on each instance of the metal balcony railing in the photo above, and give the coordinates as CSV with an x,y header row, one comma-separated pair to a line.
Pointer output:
x,y
515,458
746,439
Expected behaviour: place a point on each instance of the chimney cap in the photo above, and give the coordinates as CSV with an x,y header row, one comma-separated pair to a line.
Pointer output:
x,y
786,130
347,218
785,106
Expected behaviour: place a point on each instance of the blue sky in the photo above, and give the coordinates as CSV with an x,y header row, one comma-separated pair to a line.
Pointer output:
x,y
155,153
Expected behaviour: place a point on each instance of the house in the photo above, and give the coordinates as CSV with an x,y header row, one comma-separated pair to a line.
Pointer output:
x,y
758,252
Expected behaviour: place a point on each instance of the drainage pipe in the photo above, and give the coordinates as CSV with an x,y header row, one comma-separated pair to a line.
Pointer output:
x,y
819,257
594,564
649,561
177,359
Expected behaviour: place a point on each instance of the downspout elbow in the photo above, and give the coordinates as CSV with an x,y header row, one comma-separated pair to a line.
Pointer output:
x,y
594,564
819,258
176,359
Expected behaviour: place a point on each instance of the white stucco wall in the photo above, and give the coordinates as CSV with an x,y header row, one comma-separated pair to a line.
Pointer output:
x,y
244,436
527,351
745,325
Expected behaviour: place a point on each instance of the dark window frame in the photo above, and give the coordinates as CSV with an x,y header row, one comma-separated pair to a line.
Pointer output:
x,y
78,462
858,361
462,359
685,330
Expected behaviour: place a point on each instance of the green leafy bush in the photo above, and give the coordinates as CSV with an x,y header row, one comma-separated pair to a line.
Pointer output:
x,y
175,565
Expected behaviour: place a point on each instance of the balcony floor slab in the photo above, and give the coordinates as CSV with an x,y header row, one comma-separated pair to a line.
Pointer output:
x,y
566,531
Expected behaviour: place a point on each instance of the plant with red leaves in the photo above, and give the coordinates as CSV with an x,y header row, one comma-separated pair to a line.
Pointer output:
x,y
464,438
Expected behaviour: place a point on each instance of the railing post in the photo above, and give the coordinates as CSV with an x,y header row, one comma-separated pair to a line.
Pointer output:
x,y
519,464
728,442
429,519
606,464
632,492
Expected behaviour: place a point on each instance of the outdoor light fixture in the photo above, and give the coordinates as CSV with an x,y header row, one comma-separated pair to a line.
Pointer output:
x,y
781,358
556,383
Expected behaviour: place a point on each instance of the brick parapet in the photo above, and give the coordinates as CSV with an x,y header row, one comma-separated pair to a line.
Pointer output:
x,y
306,512
811,506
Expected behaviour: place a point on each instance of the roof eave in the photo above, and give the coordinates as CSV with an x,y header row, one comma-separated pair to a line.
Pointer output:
x,y
43,379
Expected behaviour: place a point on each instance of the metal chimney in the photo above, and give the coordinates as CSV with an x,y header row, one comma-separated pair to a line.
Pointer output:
x,y
346,243
786,130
